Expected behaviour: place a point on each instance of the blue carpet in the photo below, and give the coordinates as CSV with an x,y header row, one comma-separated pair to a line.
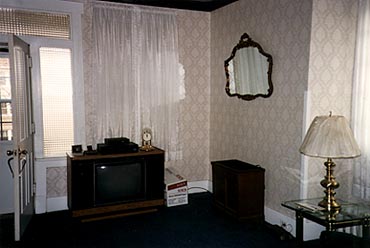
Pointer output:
x,y
197,224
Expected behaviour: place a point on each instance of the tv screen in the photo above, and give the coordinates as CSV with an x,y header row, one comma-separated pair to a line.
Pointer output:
x,y
119,182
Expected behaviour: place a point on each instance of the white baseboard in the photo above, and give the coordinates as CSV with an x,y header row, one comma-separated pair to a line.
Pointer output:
x,y
311,230
40,204
56,204
275,218
199,186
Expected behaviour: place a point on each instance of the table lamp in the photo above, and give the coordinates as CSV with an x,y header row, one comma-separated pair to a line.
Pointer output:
x,y
330,137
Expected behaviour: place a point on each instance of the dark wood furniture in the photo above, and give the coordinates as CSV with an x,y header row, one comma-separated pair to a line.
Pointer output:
x,y
81,179
238,189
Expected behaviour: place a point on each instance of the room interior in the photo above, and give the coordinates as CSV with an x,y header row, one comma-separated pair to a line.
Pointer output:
x,y
312,44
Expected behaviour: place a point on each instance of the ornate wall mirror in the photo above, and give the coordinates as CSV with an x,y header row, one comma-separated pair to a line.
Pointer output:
x,y
248,70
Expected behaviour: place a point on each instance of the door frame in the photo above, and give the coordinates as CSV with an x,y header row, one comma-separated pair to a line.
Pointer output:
x,y
75,10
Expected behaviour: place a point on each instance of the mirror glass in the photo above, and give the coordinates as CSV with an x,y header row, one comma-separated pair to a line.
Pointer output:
x,y
248,70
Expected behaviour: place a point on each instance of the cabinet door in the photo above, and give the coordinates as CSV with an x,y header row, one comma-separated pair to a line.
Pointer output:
x,y
83,185
232,192
219,185
155,177
251,187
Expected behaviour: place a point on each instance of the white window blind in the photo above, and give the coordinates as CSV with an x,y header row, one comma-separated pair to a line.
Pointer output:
x,y
57,109
21,22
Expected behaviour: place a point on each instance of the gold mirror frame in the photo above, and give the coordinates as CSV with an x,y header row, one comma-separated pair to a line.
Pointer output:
x,y
245,42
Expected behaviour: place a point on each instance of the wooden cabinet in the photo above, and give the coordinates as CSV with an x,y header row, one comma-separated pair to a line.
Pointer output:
x,y
116,184
238,189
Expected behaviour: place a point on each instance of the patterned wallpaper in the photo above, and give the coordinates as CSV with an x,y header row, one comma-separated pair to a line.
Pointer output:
x,y
330,78
268,131
311,43
195,55
56,181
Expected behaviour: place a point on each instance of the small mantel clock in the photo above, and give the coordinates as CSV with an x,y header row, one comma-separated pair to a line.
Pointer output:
x,y
147,140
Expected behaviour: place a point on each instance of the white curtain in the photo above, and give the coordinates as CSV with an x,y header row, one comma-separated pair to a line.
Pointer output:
x,y
361,102
136,77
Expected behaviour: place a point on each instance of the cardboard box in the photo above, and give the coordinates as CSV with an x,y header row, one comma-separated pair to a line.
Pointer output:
x,y
176,192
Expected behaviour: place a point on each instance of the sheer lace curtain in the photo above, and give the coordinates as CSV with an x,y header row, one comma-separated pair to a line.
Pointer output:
x,y
361,102
136,77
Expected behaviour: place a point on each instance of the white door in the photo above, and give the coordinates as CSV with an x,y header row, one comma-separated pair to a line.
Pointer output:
x,y
22,153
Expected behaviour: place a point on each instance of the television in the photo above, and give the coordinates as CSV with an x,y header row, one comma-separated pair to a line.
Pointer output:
x,y
119,182
100,183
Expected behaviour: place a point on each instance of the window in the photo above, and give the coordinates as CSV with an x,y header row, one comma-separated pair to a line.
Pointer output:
x,y
6,124
54,34
57,109
21,22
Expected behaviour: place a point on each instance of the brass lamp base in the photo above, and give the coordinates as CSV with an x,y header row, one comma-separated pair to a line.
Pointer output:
x,y
329,202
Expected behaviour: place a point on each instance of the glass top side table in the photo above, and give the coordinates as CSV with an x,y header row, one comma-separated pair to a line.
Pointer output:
x,y
350,214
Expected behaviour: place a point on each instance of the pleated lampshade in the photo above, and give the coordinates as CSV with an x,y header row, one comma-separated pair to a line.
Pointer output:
x,y
330,137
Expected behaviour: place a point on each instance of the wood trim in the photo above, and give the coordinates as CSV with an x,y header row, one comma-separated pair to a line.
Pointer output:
x,y
118,155
117,208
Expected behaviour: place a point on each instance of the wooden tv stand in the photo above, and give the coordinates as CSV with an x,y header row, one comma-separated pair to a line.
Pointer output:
x,y
81,170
